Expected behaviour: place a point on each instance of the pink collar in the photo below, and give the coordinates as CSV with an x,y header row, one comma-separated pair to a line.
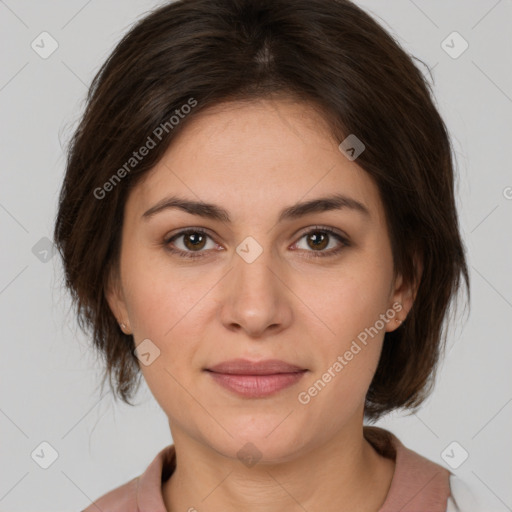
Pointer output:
x,y
418,483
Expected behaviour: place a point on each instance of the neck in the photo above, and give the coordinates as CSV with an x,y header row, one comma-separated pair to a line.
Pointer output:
x,y
345,473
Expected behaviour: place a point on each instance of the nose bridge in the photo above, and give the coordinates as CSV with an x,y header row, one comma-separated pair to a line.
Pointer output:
x,y
253,267
255,297
254,272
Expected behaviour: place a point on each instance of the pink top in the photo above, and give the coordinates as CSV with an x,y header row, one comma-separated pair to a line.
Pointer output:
x,y
418,484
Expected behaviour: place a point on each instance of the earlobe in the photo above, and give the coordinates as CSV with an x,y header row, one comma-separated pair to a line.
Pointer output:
x,y
405,294
115,298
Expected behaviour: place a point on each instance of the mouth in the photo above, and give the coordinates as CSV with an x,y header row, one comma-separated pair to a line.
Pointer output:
x,y
255,379
247,367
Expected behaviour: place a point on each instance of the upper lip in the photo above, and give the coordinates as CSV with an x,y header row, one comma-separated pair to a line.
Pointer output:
x,y
247,367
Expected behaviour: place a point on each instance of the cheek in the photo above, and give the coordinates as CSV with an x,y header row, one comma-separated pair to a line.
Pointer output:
x,y
347,359
351,299
159,297
166,314
170,308
351,304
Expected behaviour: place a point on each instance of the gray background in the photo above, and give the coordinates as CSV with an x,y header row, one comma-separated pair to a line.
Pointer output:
x,y
49,375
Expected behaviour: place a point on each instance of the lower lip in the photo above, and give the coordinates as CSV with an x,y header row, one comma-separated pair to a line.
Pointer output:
x,y
256,386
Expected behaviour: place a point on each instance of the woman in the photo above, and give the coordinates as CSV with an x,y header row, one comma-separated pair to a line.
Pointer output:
x,y
258,217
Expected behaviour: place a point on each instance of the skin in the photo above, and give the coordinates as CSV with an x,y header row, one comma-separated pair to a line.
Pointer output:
x,y
254,159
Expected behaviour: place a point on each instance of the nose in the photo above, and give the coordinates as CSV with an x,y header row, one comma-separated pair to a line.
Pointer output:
x,y
256,298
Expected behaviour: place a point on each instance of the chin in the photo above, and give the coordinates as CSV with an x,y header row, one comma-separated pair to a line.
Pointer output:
x,y
257,440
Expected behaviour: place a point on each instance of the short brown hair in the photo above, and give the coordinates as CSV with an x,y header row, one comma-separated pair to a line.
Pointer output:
x,y
329,53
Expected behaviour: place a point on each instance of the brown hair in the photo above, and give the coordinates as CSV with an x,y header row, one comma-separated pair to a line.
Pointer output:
x,y
329,53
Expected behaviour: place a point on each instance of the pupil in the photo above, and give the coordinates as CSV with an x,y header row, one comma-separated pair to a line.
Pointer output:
x,y
193,236
319,240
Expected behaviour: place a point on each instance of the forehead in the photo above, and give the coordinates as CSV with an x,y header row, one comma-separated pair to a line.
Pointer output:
x,y
256,157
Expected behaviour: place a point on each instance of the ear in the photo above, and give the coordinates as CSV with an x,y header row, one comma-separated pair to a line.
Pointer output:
x,y
404,293
116,300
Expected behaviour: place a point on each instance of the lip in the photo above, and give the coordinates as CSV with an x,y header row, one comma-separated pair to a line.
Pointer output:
x,y
247,367
256,379
256,386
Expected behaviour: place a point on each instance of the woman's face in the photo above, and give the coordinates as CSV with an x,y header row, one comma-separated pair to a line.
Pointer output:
x,y
269,283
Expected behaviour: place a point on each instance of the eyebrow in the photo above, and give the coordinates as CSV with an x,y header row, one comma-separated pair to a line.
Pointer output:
x,y
215,212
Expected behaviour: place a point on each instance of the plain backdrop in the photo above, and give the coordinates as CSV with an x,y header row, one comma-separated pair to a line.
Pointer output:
x,y
49,374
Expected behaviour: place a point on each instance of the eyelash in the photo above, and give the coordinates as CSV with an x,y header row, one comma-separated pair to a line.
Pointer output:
x,y
315,229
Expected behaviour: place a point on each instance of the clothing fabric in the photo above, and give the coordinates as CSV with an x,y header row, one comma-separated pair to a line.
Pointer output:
x,y
462,499
418,484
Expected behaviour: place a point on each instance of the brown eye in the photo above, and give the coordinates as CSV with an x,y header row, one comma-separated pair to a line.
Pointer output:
x,y
194,240
318,239
192,244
